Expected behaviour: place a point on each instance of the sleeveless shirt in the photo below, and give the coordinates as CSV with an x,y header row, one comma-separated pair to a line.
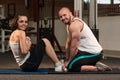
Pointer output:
x,y
88,42
20,58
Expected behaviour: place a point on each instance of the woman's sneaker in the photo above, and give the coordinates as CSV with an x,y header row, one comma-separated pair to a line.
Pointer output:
x,y
102,67
58,67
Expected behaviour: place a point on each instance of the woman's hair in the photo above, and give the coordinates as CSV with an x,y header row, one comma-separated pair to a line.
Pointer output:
x,y
14,24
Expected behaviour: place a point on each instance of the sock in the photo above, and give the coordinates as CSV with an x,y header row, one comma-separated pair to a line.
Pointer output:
x,y
58,64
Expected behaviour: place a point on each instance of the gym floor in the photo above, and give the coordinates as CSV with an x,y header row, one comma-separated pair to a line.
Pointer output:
x,y
7,61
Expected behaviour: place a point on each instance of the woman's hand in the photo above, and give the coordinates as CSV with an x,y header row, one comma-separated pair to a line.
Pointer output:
x,y
28,38
28,42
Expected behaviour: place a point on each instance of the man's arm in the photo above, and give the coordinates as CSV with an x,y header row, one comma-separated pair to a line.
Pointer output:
x,y
67,47
75,29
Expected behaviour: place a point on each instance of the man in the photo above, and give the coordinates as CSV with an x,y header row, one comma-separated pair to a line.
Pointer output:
x,y
82,48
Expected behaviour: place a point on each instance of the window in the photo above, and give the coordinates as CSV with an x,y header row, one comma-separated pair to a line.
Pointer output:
x,y
103,1
116,1
108,7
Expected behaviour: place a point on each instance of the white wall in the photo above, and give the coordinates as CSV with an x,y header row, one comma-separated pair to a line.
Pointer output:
x,y
60,32
109,34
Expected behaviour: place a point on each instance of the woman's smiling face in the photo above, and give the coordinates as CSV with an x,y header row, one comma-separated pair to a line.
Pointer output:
x,y
22,22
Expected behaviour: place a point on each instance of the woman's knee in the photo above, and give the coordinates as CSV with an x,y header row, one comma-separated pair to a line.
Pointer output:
x,y
46,41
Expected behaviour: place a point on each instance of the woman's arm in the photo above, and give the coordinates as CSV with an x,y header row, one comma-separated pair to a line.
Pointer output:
x,y
25,47
28,42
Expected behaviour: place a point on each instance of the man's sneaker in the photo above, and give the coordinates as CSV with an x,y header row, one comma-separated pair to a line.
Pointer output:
x,y
102,67
58,67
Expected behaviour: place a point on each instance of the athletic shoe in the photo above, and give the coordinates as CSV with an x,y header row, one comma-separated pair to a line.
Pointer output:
x,y
58,67
102,67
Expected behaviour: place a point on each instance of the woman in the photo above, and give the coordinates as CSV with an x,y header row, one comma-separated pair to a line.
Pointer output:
x,y
27,57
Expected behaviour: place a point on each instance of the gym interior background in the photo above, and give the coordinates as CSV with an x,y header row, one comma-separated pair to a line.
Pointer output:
x,y
45,15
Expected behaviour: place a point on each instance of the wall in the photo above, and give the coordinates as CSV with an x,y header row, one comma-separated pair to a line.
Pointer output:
x,y
20,7
60,32
109,32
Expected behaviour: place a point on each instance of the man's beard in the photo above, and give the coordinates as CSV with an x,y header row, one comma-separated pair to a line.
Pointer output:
x,y
67,22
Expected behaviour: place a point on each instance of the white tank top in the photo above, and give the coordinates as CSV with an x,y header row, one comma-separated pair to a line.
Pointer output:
x,y
20,58
88,42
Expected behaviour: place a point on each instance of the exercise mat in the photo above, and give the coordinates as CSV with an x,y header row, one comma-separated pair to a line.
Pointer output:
x,y
113,71
18,71
51,71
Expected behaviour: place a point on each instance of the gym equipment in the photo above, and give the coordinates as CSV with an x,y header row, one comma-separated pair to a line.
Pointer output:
x,y
50,32
4,23
5,32
5,26
27,4
46,31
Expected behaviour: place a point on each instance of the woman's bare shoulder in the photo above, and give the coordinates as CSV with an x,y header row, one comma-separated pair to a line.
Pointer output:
x,y
15,36
19,32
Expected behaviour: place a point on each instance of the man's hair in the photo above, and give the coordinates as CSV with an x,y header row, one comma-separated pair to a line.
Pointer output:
x,y
65,8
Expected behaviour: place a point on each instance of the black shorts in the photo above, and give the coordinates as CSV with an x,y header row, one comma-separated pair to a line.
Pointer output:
x,y
36,55
83,58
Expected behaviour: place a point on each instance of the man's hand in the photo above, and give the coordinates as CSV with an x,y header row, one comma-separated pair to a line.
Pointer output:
x,y
64,67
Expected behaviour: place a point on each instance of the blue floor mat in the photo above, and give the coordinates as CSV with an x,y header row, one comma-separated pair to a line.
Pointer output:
x,y
113,71
18,71
51,71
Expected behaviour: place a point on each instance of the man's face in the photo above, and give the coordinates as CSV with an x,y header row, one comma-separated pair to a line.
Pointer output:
x,y
64,16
